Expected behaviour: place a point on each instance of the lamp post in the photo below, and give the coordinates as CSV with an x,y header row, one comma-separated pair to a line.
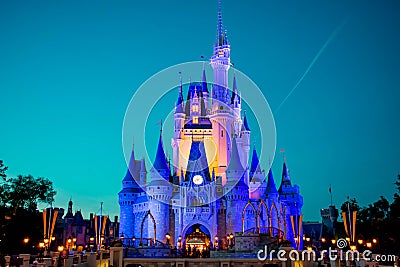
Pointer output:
x,y
232,238
46,245
60,250
69,243
91,243
167,236
216,242
26,241
74,243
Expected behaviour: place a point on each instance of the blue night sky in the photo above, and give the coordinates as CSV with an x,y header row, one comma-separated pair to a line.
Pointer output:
x,y
68,70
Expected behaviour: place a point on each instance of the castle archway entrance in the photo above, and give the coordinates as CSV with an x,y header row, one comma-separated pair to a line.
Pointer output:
x,y
197,240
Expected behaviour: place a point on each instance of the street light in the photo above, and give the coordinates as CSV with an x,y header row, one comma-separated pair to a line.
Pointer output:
x,y
91,243
333,241
168,236
369,244
374,241
323,240
216,242
360,241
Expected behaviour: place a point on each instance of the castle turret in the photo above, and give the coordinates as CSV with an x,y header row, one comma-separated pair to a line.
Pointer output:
x,y
256,177
236,191
245,141
159,191
292,200
127,196
179,122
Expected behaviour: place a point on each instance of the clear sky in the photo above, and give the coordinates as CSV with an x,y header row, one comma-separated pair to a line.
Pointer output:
x,y
69,68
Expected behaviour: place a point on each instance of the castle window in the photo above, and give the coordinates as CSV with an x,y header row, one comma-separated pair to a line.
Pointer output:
x,y
195,120
222,133
195,108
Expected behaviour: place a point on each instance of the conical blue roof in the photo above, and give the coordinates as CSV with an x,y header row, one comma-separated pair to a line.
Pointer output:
x,y
245,123
255,163
204,82
234,90
134,167
285,177
179,102
271,188
160,162
235,163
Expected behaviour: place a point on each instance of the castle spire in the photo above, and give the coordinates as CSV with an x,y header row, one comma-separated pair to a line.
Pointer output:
x,y
271,188
179,102
160,162
204,81
245,123
285,177
234,163
255,163
235,95
221,32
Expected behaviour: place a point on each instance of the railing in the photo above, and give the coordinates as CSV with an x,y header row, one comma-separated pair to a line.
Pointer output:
x,y
271,231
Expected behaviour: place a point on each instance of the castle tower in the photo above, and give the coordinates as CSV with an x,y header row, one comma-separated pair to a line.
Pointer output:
x,y
290,197
272,199
128,194
236,105
221,114
159,191
179,122
220,62
245,141
236,191
256,178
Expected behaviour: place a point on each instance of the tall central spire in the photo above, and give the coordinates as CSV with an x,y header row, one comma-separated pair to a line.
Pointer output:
x,y
221,33
220,62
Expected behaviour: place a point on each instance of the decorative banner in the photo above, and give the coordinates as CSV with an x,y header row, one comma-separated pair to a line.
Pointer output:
x,y
297,227
349,220
49,222
100,227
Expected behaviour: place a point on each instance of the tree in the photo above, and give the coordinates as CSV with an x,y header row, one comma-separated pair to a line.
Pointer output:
x,y
26,192
353,205
20,218
3,170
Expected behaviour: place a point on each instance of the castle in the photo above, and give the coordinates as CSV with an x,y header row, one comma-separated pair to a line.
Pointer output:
x,y
213,189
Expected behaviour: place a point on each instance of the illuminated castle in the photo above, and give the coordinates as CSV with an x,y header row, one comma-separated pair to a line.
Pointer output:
x,y
211,183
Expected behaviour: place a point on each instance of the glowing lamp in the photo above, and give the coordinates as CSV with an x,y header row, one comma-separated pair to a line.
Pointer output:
x,y
309,248
333,241
369,245
308,239
323,240
347,239
374,241
353,247
60,248
26,240
360,241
